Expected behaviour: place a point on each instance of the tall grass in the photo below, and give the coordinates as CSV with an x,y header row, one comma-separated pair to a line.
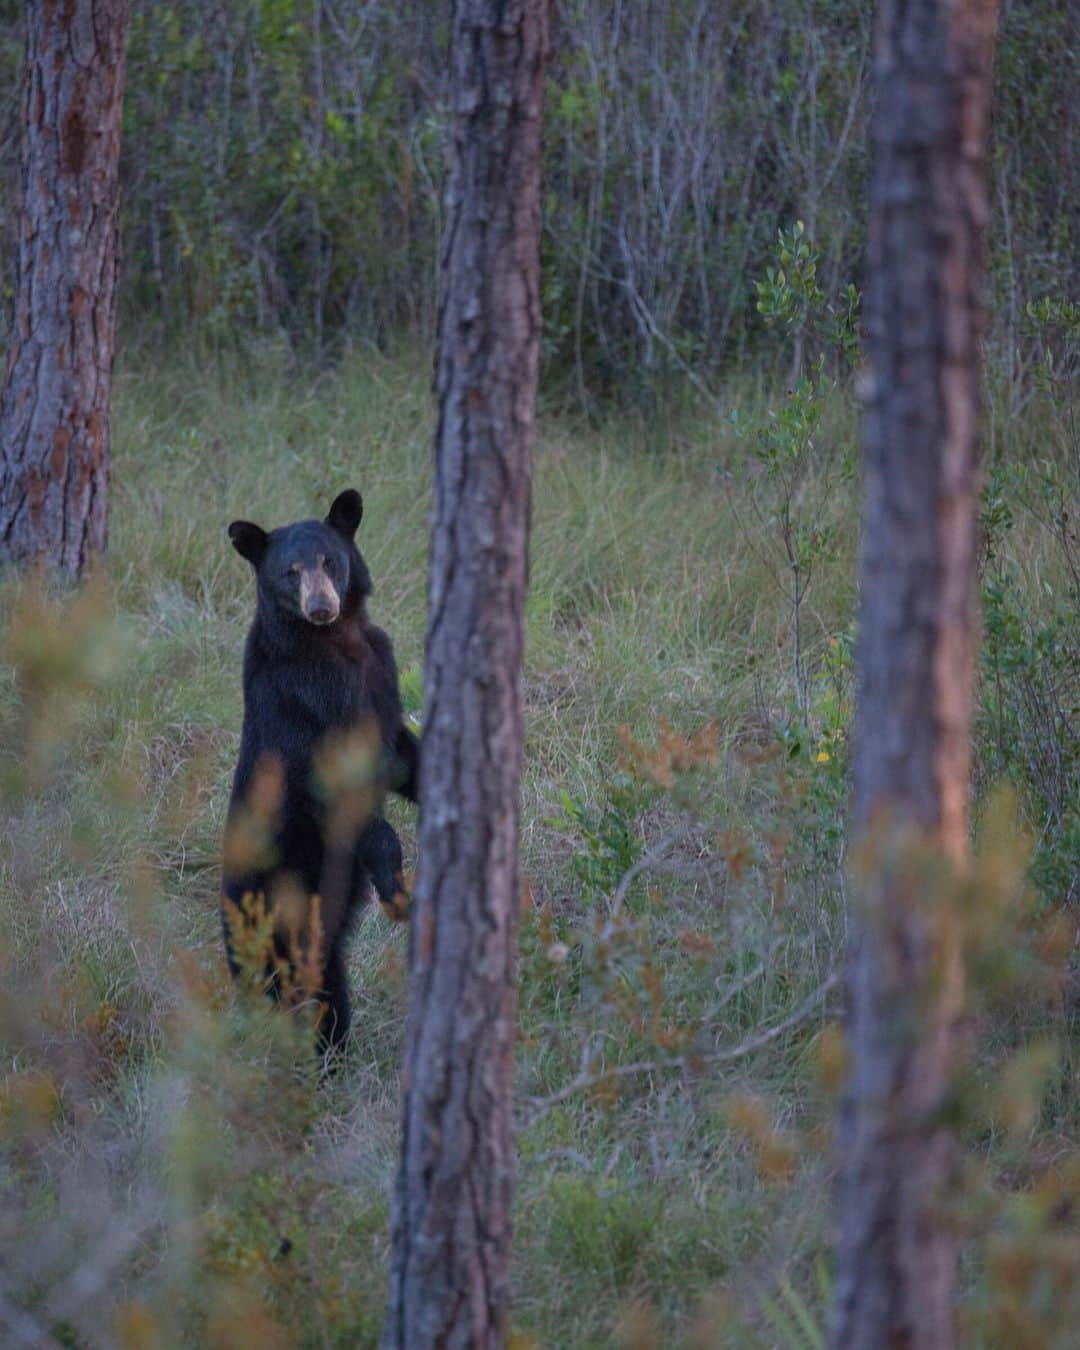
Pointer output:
x,y
173,1170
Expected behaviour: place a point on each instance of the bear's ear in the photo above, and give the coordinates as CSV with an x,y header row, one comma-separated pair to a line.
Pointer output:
x,y
346,512
249,540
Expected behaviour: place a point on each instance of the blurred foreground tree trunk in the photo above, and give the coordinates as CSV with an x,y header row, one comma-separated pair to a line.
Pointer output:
x,y
449,1283
896,1250
54,409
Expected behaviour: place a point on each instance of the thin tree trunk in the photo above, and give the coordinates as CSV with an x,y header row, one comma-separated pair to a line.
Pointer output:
x,y
896,1251
54,410
451,1233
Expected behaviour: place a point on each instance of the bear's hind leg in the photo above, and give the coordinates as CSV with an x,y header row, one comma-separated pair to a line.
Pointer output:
x,y
336,1013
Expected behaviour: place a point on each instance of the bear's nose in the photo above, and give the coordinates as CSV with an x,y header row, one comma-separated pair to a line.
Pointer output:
x,y
319,601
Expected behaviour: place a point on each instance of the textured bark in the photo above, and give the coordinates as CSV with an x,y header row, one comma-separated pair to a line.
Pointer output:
x,y
896,1255
451,1233
54,410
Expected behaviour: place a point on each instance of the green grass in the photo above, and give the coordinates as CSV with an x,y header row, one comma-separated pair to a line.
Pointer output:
x,y
172,1171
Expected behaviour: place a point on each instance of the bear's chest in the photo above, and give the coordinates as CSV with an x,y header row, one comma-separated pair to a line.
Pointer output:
x,y
301,695
332,695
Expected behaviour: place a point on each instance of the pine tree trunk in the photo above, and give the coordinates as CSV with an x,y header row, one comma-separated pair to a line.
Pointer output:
x,y
54,410
896,1253
451,1232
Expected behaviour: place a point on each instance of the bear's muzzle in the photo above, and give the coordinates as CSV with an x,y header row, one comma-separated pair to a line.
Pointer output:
x,y
319,601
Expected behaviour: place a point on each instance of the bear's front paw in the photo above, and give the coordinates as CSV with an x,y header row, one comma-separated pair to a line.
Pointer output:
x,y
398,905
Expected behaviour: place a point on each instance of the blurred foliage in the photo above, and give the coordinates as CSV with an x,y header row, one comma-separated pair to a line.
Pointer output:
x,y
283,165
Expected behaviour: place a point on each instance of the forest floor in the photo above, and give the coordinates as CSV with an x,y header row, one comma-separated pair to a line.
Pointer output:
x,y
172,1170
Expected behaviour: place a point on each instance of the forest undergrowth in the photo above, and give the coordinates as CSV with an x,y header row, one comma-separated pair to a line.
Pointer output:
x,y
174,1171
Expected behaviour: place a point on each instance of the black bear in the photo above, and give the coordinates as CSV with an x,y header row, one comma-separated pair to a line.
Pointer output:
x,y
323,739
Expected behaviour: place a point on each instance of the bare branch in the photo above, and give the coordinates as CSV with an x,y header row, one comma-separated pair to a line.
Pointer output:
x,y
590,1078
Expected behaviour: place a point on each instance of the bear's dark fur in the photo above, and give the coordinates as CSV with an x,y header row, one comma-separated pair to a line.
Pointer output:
x,y
318,676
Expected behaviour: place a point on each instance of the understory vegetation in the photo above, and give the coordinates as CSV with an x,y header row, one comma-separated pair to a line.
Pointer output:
x,y
174,1171
282,173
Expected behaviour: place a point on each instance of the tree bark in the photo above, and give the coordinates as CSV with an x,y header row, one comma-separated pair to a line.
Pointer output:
x,y
451,1234
54,409
896,1254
